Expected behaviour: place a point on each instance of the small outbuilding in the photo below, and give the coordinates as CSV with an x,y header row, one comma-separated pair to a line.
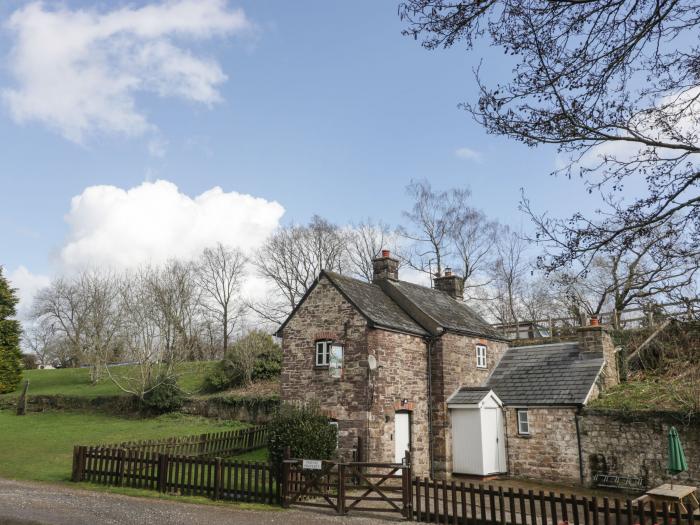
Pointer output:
x,y
478,433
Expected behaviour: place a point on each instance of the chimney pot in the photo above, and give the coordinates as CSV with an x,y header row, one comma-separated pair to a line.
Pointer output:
x,y
448,271
594,320
386,253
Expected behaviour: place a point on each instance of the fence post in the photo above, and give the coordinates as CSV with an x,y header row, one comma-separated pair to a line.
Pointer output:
x,y
121,459
406,483
217,478
340,507
78,463
162,476
285,477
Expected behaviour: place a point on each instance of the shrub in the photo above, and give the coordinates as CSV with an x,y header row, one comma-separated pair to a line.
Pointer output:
x,y
305,430
29,361
165,397
10,355
254,357
268,365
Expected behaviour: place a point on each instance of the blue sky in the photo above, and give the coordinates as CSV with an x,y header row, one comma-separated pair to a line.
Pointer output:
x,y
326,109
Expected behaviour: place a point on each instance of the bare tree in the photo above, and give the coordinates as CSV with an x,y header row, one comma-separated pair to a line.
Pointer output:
x,y
151,334
84,311
473,237
220,272
630,276
614,84
433,216
39,339
365,242
177,303
509,274
292,258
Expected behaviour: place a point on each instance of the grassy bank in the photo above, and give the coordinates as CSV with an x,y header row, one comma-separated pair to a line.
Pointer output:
x,y
39,446
76,381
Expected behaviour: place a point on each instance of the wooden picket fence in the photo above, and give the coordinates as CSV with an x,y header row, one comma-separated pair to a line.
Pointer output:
x,y
175,474
459,503
220,444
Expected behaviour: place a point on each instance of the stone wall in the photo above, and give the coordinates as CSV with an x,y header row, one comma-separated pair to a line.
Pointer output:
x,y
249,409
400,383
550,452
364,403
454,365
325,314
636,444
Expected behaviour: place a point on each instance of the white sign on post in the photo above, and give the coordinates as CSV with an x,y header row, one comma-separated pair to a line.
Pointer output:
x,y
311,464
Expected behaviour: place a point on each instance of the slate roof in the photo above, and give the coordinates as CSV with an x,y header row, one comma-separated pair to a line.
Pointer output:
x,y
553,374
450,314
375,304
469,395
382,310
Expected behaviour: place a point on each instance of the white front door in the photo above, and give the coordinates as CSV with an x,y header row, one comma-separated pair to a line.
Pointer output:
x,y
402,435
492,440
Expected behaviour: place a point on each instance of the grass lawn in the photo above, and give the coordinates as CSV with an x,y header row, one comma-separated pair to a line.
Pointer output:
x,y
76,381
39,446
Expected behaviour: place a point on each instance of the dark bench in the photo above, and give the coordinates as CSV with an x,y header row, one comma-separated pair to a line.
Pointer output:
x,y
617,481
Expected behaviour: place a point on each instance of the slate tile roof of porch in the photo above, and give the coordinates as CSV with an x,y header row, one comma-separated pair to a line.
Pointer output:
x,y
553,374
469,395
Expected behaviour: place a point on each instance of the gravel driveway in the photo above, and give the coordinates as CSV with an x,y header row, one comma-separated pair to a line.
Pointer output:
x,y
27,503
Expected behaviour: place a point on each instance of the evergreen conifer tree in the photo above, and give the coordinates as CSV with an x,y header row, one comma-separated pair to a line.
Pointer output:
x,y
10,355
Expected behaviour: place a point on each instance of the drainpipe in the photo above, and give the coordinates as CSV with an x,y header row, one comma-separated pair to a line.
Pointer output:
x,y
578,442
430,344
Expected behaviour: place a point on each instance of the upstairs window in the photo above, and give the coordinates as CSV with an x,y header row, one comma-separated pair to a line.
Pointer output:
x,y
523,423
480,356
323,351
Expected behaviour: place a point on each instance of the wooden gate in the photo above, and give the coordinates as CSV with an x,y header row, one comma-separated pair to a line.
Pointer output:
x,y
346,487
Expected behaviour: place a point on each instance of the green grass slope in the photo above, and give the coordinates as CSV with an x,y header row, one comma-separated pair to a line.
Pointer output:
x,y
76,381
39,446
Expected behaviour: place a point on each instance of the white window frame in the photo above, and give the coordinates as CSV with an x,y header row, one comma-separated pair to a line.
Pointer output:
x,y
337,434
523,422
323,350
481,356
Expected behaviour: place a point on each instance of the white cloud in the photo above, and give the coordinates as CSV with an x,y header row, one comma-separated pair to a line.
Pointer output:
x,y
154,221
27,285
468,154
78,71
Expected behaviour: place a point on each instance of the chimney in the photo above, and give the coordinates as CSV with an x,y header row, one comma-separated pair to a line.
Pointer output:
x,y
385,267
451,284
595,338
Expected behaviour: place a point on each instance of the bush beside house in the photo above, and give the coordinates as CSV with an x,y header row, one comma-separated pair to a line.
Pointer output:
x,y
305,430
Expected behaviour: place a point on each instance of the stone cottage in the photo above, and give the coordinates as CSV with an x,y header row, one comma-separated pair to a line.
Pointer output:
x,y
398,366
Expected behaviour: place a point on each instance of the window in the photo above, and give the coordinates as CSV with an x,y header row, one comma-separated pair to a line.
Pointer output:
x,y
337,435
480,356
523,423
335,360
323,349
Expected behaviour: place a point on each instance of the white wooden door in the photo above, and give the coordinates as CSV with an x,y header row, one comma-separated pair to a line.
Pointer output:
x,y
492,440
466,441
402,435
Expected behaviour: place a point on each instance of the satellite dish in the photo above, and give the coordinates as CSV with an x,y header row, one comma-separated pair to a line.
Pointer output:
x,y
372,362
